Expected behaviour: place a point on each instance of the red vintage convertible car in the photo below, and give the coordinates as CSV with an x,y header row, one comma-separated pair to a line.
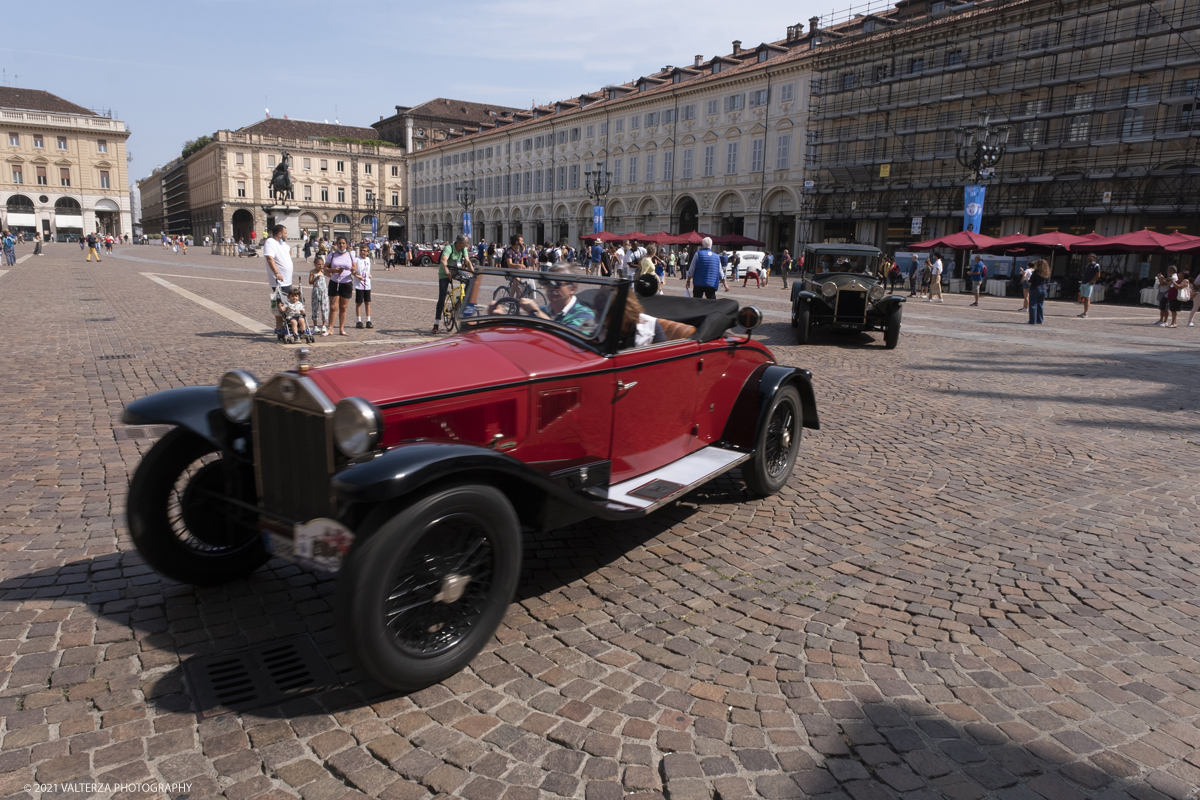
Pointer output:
x,y
425,254
413,473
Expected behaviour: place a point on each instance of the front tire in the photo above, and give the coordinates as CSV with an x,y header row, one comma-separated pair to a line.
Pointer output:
x,y
776,444
176,519
802,321
891,332
419,598
426,261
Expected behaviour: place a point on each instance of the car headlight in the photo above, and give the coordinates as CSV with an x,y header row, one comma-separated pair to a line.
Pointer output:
x,y
876,293
829,288
357,426
235,393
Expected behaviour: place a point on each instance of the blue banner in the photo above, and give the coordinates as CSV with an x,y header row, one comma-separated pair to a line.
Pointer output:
x,y
467,224
973,208
374,227
597,219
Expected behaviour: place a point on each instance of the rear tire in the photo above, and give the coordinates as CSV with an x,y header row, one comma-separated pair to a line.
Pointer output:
x,y
426,261
179,526
802,320
891,332
423,594
775,445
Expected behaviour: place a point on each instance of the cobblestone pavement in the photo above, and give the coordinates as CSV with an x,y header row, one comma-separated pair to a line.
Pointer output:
x,y
980,581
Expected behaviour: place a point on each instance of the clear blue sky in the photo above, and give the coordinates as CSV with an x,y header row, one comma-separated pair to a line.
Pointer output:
x,y
175,71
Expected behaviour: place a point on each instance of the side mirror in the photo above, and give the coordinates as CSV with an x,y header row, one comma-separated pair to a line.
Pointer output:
x,y
646,285
749,317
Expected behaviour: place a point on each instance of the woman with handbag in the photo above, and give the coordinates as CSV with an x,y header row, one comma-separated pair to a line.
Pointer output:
x,y
1037,291
1179,293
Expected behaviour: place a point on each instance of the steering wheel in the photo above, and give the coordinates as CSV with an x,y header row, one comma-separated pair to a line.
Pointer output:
x,y
507,305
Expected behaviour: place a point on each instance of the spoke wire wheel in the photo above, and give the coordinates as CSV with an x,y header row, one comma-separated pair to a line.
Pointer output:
x,y
776,444
178,520
428,582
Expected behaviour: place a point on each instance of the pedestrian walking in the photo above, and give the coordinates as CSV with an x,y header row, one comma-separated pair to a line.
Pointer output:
x,y
9,243
91,248
278,258
977,273
1091,274
340,264
785,266
895,276
935,278
37,244
768,265
706,272
362,287
1037,291
318,279
1164,283
1176,297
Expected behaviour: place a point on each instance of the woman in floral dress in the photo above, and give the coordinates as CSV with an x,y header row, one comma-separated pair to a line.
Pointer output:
x,y
318,279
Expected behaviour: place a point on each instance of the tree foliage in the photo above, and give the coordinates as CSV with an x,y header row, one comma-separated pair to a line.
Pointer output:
x,y
196,145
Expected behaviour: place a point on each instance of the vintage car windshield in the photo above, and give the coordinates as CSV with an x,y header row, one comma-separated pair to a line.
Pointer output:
x,y
561,296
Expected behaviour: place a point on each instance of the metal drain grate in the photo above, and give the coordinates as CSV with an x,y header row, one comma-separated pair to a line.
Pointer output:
x,y
112,358
258,676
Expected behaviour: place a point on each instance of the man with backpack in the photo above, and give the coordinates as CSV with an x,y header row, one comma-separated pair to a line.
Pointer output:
x,y
91,247
978,274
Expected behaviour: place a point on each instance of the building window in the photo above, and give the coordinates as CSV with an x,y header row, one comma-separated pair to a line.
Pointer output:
x,y
324,194
239,159
604,129
487,186
633,165
710,159
14,140
716,67
42,180
101,146
1133,121
735,102
1079,127
562,137
758,97
687,164
307,192
731,158
591,132
241,188
528,144
395,199
954,58
104,184
616,176
1186,118
38,142
651,119
812,150
620,126
17,175
574,134
528,182
668,116
537,182
650,159
341,194
562,179
756,155
489,152
848,80
574,176
308,163
783,152
635,122
324,165
916,65
270,161
668,166
367,169
64,176
370,196
713,107
395,171
688,112
341,166
62,143
764,54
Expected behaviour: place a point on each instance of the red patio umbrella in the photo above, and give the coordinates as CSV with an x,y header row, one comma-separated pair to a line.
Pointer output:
x,y
1008,244
963,240
1189,245
1143,241
737,240
691,237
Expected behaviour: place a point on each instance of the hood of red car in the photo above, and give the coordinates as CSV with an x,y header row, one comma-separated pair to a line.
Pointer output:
x,y
456,364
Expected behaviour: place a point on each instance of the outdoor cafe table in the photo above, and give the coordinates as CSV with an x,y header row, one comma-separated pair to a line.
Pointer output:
x,y
998,288
1149,296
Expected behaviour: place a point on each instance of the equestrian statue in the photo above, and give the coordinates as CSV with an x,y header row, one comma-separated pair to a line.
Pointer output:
x,y
281,180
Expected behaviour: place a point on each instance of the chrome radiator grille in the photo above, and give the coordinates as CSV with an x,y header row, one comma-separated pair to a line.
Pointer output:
x,y
293,449
851,305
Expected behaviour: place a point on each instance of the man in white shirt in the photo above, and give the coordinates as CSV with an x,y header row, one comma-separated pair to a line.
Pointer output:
x,y
279,271
935,279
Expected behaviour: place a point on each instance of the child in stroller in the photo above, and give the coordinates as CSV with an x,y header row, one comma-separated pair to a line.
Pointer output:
x,y
295,324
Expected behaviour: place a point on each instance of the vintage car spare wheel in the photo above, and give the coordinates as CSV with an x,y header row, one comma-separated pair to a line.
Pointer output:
x,y
891,331
177,519
777,443
422,595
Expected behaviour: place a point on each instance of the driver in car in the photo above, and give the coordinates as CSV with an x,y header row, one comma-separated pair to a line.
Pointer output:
x,y
562,306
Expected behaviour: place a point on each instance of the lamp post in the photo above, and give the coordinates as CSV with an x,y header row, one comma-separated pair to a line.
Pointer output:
x,y
598,183
980,147
465,195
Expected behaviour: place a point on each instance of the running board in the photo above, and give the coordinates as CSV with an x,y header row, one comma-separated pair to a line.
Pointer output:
x,y
648,491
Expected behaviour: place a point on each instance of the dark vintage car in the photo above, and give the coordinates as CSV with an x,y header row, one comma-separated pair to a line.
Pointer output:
x,y
413,473
842,291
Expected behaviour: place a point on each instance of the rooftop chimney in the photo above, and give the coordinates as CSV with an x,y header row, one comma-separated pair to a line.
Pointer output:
x,y
696,63
737,46
813,23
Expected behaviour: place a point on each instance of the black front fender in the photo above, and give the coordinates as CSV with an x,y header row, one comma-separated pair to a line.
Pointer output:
x,y
760,388
775,377
196,408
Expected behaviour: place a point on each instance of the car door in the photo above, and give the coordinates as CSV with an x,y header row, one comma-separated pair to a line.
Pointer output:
x,y
653,404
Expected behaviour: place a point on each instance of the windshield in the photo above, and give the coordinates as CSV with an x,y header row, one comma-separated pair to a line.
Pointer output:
x,y
561,296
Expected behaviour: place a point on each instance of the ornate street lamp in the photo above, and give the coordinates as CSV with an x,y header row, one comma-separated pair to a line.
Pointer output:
x,y
465,195
980,146
599,184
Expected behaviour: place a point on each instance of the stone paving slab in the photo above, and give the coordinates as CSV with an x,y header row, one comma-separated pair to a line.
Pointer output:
x,y
980,581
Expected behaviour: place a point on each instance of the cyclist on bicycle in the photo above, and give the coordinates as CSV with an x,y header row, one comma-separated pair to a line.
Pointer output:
x,y
455,257
515,258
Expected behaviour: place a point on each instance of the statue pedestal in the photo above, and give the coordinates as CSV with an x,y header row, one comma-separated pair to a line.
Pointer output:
x,y
288,216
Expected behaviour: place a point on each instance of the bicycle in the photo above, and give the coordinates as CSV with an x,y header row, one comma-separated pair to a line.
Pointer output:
x,y
456,298
526,291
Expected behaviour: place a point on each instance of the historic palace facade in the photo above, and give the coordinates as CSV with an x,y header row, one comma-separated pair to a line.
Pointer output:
x,y
714,146
344,179
65,172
